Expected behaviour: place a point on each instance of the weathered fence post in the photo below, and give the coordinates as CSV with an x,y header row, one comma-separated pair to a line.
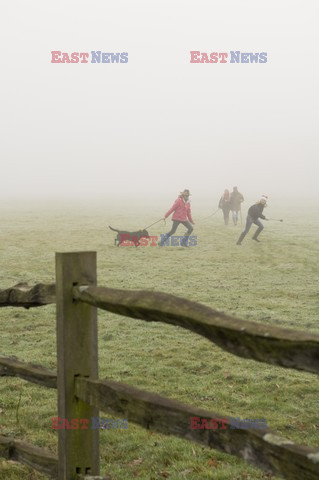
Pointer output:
x,y
77,355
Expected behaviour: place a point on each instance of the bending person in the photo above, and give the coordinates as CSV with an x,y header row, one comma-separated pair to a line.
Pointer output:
x,y
182,215
254,213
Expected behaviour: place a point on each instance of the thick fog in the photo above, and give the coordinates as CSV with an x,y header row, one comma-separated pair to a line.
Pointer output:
x,y
158,124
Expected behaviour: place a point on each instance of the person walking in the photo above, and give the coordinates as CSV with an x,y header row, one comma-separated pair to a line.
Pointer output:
x,y
236,199
224,204
254,213
182,215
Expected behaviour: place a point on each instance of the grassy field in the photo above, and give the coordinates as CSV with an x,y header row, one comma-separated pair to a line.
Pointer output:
x,y
274,282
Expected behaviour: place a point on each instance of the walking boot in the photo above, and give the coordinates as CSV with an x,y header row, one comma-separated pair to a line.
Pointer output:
x,y
241,238
255,236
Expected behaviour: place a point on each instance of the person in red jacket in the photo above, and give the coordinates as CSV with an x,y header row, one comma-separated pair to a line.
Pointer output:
x,y
182,215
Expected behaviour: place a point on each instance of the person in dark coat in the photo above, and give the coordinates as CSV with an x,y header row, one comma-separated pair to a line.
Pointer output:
x,y
224,204
254,213
236,199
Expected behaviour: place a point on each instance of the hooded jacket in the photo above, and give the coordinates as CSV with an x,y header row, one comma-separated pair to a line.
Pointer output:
x,y
181,209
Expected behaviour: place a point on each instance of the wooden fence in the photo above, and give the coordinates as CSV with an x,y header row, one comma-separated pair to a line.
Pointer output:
x,y
81,394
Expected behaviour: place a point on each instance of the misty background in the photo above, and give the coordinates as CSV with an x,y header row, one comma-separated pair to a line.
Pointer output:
x,y
143,131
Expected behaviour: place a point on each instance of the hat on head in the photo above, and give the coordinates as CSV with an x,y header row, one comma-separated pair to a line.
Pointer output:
x,y
264,198
185,192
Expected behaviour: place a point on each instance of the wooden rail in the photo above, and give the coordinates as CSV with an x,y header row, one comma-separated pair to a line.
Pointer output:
x,y
37,458
277,346
81,394
22,295
12,367
34,457
265,449
170,417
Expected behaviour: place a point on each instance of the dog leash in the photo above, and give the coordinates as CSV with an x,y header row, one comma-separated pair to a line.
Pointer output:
x,y
149,226
209,216
205,218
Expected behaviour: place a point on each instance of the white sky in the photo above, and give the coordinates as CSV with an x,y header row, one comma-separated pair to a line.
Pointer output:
x,y
158,124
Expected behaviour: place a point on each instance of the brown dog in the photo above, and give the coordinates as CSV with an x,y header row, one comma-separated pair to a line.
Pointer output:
x,y
124,235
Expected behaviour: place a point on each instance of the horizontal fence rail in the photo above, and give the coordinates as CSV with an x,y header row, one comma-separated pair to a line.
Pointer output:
x,y
12,367
278,346
34,457
265,449
22,295
37,458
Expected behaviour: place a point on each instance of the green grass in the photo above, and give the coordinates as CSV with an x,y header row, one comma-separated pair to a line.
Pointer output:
x,y
274,282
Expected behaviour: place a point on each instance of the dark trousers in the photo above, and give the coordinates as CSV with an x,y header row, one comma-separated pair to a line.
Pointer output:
x,y
174,228
249,222
226,215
